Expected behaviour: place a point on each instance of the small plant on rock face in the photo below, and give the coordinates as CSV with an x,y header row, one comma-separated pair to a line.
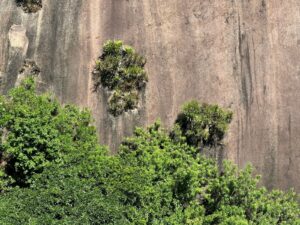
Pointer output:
x,y
202,125
30,6
121,70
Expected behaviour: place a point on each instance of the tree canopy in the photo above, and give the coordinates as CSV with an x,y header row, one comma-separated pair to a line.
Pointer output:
x,y
152,180
36,132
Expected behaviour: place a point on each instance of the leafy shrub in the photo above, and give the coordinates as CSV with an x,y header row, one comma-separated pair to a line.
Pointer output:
x,y
121,70
235,196
69,194
36,132
171,181
160,179
202,125
30,6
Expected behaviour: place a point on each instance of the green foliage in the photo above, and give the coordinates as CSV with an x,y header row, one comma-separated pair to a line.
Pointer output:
x,y
161,178
69,194
36,132
153,180
201,125
58,174
30,6
121,70
235,196
171,183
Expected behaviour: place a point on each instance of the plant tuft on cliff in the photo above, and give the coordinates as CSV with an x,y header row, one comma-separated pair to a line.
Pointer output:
x,y
121,70
202,125
30,6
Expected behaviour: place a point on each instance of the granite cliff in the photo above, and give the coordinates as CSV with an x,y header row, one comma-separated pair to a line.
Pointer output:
x,y
239,54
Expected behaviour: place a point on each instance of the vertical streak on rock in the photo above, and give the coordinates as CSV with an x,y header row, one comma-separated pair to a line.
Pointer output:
x,y
158,49
271,152
258,118
18,45
285,34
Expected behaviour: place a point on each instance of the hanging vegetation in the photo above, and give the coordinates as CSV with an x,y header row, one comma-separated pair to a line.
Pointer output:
x,y
121,71
30,6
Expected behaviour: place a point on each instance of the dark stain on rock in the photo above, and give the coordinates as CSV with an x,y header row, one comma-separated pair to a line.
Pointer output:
x,y
263,4
245,73
290,153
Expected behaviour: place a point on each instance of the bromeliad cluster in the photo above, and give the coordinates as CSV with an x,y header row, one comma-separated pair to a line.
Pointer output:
x,y
30,6
120,70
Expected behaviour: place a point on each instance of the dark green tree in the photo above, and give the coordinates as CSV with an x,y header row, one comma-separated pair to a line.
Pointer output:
x,y
73,193
36,132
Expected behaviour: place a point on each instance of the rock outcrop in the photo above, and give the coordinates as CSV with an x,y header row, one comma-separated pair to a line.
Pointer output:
x,y
238,53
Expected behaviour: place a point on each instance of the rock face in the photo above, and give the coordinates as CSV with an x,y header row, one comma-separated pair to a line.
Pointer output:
x,y
238,53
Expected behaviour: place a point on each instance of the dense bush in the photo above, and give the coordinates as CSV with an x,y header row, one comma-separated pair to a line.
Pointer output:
x,y
152,180
171,183
30,6
69,194
36,132
201,125
121,70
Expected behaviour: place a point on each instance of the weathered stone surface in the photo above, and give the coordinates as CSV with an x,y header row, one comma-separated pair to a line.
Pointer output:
x,y
238,53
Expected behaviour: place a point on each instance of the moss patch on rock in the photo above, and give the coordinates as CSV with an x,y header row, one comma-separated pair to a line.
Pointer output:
x,y
120,70
30,6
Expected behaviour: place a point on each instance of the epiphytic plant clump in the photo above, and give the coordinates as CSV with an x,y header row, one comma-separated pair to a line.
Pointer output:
x,y
121,71
30,67
30,6
202,125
